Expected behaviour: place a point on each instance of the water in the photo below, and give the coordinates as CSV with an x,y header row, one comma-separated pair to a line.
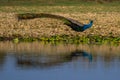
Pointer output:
x,y
41,61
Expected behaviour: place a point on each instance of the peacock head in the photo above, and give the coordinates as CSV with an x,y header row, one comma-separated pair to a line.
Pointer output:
x,y
90,24
91,21
86,26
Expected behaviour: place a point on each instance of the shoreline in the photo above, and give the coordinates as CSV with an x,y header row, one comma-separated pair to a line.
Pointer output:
x,y
91,39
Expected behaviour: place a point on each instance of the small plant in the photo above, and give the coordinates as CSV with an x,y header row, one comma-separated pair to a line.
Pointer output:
x,y
15,40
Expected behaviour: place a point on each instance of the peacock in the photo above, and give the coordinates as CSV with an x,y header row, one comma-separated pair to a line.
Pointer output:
x,y
73,24
77,26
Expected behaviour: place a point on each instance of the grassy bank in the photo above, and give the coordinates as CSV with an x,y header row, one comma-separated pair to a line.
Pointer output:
x,y
105,15
67,39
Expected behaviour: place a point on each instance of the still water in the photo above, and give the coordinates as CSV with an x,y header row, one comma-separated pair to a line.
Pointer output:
x,y
47,61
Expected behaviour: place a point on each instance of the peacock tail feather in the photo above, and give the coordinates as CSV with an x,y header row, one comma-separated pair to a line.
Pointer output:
x,y
73,24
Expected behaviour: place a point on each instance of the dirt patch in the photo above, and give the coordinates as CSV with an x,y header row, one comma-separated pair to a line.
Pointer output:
x,y
105,24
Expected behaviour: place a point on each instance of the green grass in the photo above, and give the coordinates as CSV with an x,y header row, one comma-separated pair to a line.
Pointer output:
x,y
95,39
64,6
53,2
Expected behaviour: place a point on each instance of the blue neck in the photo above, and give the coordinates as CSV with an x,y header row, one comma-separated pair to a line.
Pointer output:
x,y
86,26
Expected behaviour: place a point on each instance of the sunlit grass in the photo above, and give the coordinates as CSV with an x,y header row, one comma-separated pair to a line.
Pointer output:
x,y
105,24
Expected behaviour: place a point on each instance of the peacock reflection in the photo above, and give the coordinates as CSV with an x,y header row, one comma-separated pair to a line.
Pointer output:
x,y
41,55
45,61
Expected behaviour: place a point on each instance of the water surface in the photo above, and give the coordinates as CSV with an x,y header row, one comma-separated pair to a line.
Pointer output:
x,y
45,61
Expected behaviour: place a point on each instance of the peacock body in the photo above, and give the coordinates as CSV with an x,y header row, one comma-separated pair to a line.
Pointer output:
x,y
73,24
